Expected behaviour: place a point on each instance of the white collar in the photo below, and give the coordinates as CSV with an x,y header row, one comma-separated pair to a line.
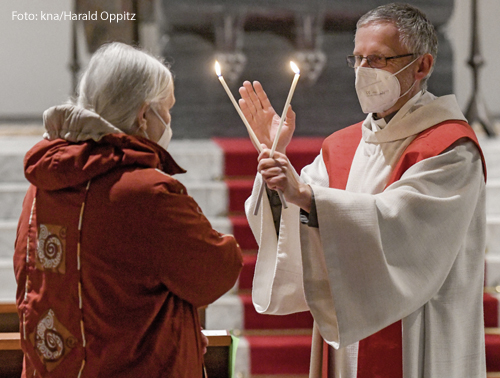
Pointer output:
x,y
422,111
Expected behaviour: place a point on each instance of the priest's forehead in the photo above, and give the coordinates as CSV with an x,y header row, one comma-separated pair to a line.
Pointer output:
x,y
378,39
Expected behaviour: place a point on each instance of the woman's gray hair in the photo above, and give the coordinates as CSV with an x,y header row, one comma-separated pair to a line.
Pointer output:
x,y
119,80
416,32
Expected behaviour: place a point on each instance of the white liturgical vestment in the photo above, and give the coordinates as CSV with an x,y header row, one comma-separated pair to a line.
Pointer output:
x,y
410,251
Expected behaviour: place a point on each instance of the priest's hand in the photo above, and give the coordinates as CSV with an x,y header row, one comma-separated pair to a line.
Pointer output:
x,y
262,117
278,173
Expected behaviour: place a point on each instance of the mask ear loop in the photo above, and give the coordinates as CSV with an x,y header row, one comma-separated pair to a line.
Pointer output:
x,y
405,67
408,65
160,118
142,132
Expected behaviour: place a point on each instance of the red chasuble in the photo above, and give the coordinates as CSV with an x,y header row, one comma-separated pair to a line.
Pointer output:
x,y
381,354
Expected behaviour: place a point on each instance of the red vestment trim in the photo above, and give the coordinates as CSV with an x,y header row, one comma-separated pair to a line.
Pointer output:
x,y
381,354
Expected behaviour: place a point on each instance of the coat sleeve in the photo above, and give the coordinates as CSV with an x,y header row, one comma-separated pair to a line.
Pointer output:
x,y
388,254
195,262
278,281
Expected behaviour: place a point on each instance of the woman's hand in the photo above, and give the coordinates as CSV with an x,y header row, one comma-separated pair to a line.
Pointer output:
x,y
278,173
262,117
204,342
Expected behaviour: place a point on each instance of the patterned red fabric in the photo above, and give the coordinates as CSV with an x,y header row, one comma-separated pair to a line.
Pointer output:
x,y
381,354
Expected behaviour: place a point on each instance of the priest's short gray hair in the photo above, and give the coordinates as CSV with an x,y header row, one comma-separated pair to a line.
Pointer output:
x,y
119,80
416,32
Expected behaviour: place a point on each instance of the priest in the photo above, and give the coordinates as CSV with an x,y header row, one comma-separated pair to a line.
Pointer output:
x,y
384,236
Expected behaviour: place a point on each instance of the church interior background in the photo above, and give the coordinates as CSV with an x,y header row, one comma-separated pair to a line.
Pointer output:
x,y
256,40
253,40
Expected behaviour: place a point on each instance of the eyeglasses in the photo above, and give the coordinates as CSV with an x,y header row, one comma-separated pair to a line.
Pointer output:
x,y
374,61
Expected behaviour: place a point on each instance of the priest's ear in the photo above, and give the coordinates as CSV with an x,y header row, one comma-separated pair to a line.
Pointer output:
x,y
426,63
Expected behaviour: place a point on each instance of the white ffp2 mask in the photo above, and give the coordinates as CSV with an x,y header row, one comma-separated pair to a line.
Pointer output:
x,y
165,138
377,89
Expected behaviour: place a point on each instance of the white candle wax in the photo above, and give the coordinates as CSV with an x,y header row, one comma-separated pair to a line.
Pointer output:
x,y
285,110
254,138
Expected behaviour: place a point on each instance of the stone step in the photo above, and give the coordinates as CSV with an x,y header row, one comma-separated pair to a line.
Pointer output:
x,y
211,196
493,196
8,285
11,199
493,235
7,238
491,151
12,151
492,270
225,313
203,160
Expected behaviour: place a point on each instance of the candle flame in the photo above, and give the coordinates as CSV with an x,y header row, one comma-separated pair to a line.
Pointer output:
x,y
295,68
217,68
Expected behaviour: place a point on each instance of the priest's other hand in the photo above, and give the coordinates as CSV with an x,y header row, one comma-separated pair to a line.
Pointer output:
x,y
278,173
262,117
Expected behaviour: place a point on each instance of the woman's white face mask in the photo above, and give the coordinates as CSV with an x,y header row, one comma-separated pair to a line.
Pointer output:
x,y
377,89
165,138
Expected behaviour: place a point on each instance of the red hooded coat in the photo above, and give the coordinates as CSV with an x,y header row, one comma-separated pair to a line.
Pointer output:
x,y
112,260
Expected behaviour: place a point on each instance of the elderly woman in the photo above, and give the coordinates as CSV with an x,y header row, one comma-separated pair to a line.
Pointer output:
x,y
112,257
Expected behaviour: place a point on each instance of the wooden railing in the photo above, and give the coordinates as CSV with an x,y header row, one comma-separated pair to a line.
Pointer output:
x,y
10,341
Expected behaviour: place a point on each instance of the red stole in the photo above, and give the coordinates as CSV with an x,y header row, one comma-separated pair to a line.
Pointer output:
x,y
381,354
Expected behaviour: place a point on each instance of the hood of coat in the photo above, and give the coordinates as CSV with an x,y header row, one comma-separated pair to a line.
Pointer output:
x,y
79,145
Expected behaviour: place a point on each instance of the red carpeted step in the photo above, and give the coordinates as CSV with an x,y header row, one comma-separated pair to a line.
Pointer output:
x,y
492,339
281,354
285,354
240,156
490,303
246,275
242,232
239,190
254,320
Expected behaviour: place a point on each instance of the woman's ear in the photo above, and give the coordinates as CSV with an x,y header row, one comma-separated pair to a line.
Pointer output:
x,y
141,118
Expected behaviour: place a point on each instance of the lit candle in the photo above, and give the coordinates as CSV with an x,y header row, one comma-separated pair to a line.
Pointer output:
x,y
254,138
277,136
287,105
